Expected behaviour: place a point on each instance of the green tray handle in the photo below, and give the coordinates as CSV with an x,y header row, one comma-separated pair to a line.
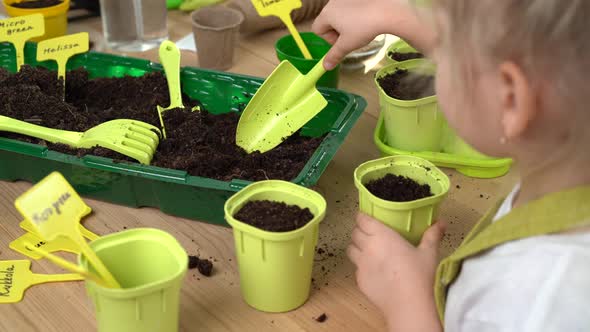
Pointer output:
x,y
237,184
159,173
30,149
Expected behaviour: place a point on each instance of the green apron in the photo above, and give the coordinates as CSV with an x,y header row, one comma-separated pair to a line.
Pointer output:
x,y
554,213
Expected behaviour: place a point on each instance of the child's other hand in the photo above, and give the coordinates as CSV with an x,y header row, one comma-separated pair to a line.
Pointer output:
x,y
351,24
396,276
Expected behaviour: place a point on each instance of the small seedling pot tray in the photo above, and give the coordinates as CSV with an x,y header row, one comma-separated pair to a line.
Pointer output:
x,y
172,191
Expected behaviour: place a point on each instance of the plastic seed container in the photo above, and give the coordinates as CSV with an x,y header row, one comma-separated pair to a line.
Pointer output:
x,y
412,125
56,17
275,267
419,128
150,265
400,46
412,218
172,191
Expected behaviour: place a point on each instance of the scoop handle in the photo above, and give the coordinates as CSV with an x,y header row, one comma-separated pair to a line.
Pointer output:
x,y
316,72
170,58
293,30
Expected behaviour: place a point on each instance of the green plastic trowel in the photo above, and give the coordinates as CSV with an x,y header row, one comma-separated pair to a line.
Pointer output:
x,y
170,59
284,103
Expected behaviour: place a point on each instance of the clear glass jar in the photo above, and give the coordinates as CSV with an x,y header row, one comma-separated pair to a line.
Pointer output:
x,y
134,25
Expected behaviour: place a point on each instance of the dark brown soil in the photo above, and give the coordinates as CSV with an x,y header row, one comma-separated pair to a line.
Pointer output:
x,y
397,56
201,143
36,3
398,188
274,216
322,318
406,85
204,266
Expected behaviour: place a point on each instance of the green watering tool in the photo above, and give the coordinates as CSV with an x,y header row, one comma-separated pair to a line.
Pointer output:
x,y
170,59
132,138
16,277
285,102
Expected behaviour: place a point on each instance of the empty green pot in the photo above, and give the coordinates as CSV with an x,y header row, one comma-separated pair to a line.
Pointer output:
x,y
150,265
287,49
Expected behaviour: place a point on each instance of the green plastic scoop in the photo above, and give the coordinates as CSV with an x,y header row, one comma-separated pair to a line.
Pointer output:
x,y
170,59
284,103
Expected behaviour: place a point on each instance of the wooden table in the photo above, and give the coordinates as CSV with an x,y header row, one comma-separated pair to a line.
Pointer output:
x,y
215,304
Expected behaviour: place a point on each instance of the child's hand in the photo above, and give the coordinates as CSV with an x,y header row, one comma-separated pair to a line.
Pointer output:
x,y
396,276
351,24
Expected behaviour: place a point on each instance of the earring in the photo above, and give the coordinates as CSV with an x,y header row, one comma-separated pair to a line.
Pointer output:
x,y
503,140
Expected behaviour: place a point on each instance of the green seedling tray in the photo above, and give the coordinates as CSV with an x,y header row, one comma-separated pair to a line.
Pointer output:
x,y
172,191
472,167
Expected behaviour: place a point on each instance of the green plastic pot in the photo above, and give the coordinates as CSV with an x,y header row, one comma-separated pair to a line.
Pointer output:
x,y
410,219
173,4
287,49
275,268
400,46
411,125
465,162
150,265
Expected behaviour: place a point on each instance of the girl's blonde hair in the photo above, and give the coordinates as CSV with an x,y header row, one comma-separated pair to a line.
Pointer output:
x,y
549,39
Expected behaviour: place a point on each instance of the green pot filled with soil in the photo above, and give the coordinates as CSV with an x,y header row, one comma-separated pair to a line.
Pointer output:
x,y
403,192
276,225
409,105
402,51
55,13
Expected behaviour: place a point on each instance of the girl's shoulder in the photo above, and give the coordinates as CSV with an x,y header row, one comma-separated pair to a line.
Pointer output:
x,y
534,284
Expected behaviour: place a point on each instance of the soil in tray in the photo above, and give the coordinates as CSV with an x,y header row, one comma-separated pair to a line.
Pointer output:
x,y
397,188
398,56
201,143
274,216
36,3
405,85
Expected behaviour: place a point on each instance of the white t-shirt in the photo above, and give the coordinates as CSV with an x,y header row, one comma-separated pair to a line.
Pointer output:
x,y
536,284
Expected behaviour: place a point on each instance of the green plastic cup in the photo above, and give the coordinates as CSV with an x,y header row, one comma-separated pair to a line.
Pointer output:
x,y
410,219
287,49
411,125
150,265
275,268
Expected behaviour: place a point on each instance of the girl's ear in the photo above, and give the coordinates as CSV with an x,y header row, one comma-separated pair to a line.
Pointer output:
x,y
518,100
